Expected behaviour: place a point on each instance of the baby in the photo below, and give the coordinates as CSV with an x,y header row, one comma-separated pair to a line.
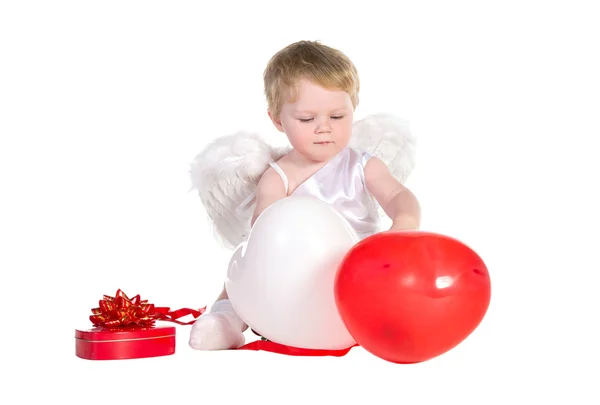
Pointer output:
x,y
312,93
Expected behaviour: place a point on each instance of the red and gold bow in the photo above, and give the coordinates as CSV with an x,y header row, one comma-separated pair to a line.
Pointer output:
x,y
121,311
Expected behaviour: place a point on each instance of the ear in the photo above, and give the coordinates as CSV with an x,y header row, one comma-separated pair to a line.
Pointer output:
x,y
276,122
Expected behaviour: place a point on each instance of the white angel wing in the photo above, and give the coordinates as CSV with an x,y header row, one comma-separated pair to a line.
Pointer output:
x,y
388,137
226,174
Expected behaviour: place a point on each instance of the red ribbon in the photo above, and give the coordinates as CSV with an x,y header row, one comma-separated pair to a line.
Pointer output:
x,y
122,311
268,346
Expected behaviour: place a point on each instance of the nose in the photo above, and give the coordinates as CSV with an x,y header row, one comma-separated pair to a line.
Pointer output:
x,y
323,126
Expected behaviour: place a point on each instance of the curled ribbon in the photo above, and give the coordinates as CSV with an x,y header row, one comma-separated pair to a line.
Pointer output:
x,y
122,311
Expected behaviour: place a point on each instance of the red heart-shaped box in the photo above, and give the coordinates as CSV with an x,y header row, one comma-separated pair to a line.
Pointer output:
x,y
124,343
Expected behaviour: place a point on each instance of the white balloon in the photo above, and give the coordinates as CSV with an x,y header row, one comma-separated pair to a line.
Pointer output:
x,y
281,280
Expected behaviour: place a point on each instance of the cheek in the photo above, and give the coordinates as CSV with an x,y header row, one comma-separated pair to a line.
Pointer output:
x,y
290,125
344,127
300,130
297,134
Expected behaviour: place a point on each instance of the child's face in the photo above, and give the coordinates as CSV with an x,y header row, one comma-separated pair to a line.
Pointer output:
x,y
319,123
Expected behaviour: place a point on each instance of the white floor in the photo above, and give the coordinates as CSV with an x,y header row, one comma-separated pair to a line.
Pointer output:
x,y
103,107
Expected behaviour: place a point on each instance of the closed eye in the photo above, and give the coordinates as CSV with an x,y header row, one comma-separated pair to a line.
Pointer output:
x,y
335,117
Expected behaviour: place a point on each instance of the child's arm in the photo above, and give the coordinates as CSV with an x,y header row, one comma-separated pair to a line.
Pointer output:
x,y
270,188
398,202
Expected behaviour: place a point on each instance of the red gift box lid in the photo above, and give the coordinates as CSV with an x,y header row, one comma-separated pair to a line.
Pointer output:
x,y
104,334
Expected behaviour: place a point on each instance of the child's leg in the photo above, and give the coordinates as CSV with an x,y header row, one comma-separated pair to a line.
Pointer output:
x,y
218,329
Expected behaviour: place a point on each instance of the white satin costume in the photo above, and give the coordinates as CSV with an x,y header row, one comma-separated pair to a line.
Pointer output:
x,y
341,184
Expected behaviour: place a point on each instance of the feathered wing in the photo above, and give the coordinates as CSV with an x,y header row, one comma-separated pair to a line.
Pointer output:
x,y
389,138
225,175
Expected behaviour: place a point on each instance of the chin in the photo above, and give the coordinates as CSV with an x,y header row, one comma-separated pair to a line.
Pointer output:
x,y
328,152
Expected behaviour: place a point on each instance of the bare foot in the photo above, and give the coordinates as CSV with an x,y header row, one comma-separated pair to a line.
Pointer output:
x,y
214,331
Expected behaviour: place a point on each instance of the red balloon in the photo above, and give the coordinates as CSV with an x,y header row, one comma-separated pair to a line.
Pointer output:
x,y
409,296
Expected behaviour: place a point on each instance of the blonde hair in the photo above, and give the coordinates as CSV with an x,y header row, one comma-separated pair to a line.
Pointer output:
x,y
311,60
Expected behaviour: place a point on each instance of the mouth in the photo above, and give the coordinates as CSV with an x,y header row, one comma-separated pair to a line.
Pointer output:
x,y
323,142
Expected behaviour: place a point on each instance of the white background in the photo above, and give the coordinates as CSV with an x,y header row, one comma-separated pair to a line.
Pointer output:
x,y
104,104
